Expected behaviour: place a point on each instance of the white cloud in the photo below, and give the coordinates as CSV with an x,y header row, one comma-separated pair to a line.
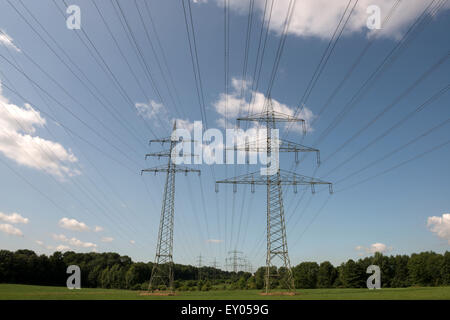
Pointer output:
x,y
9,229
230,107
184,124
107,239
39,242
72,224
375,247
98,229
62,247
132,241
6,40
319,18
151,110
440,226
17,142
214,241
74,241
13,218
158,113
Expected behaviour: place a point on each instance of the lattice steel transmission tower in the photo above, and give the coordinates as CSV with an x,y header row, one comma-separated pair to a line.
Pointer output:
x,y
162,272
215,266
199,266
277,248
235,261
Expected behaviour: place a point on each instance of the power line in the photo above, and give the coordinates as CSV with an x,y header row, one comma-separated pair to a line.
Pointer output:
x,y
381,68
423,105
408,90
396,150
323,60
194,58
399,165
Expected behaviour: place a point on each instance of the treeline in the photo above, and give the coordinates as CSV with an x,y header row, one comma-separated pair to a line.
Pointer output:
x,y
111,270
422,269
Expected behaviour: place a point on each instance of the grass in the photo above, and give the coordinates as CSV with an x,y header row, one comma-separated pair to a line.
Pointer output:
x,y
25,292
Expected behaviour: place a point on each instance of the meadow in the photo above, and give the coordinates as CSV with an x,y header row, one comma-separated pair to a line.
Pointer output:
x,y
29,292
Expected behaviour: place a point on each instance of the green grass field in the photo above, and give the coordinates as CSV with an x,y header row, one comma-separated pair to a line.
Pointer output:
x,y
15,291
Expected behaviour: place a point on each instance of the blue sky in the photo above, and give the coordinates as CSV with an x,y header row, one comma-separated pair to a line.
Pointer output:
x,y
71,161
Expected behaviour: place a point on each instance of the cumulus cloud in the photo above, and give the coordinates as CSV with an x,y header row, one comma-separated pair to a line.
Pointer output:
x,y
440,226
9,229
74,241
72,224
319,18
158,114
375,247
13,218
98,229
132,241
6,40
107,239
18,142
229,105
62,247
151,110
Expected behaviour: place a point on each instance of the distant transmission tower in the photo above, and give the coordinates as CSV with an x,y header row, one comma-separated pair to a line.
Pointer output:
x,y
215,266
199,266
235,261
276,226
162,272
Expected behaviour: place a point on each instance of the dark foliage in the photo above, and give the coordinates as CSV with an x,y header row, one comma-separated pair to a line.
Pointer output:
x,y
111,270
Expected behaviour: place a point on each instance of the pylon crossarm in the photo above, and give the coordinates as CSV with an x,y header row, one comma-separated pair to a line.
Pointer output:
x,y
286,178
168,140
161,141
175,169
271,117
167,153
261,146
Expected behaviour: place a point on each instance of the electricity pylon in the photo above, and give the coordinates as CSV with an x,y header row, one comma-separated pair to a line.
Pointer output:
x,y
215,266
235,261
162,272
199,266
276,226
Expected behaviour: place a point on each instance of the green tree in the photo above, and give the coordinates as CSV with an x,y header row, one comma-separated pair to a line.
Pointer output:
x,y
305,275
326,275
352,275
425,269
401,278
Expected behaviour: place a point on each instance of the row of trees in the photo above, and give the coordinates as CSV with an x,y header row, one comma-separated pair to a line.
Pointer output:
x,y
110,270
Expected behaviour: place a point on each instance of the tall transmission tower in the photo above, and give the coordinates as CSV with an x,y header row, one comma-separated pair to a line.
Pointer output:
x,y
162,272
277,249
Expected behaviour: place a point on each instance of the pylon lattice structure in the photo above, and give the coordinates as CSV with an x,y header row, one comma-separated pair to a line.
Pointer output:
x,y
277,249
215,266
235,261
162,272
199,266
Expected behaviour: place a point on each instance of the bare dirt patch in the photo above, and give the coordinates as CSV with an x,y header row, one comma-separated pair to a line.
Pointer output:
x,y
278,293
157,293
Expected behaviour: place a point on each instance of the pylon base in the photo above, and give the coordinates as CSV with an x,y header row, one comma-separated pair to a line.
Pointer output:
x,y
290,293
157,293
